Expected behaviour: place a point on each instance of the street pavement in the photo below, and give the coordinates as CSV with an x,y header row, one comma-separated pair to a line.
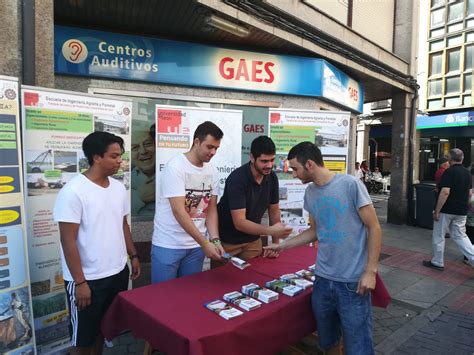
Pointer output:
x,y
432,312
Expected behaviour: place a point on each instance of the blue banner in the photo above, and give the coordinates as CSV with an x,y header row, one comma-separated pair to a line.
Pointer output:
x,y
126,57
457,119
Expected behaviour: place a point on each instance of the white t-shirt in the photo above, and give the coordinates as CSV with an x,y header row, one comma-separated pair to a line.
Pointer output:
x,y
99,212
197,185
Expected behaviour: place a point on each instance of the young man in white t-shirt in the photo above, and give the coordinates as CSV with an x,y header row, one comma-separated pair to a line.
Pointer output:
x,y
186,224
92,211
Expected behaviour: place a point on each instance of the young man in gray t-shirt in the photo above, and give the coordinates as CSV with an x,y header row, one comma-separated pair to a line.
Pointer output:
x,y
344,222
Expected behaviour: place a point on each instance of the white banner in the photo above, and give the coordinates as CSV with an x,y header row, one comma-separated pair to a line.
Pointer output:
x,y
328,130
16,315
175,127
55,124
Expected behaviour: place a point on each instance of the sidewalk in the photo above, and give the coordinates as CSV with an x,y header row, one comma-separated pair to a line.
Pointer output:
x,y
432,312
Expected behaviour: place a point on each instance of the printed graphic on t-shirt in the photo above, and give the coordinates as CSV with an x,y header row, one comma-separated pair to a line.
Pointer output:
x,y
328,213
198,194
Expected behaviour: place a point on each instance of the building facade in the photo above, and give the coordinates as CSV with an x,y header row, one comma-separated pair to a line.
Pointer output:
x,y
447,118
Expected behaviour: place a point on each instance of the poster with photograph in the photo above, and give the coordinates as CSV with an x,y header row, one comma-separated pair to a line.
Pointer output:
x,y
16,330
175,126
55,124
329,130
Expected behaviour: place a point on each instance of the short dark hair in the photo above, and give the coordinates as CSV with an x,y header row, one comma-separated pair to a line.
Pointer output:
x,y
97,143
305,151
152,131
207,128
262,145
443,160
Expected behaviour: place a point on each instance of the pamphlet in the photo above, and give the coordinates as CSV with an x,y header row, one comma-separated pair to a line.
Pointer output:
x,y
294,279
261,293
283,287
223,309
306,274
239,263
245,302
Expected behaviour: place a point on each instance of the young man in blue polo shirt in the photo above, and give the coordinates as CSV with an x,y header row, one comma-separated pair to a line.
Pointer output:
x,y
249,191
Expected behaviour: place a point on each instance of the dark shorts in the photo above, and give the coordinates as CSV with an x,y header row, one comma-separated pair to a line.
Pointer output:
x,y
84,326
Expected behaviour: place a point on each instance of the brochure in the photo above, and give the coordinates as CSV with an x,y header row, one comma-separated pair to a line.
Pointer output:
x,y
223,309
239,263
294,279
261,293
245,302
283,287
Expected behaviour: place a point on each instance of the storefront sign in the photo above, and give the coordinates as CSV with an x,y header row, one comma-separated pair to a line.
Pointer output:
x,y
457,119
125,57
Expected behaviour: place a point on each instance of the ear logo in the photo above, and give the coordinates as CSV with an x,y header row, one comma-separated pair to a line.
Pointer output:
x,y
74,51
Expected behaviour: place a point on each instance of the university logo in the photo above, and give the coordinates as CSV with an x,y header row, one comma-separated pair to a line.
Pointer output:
x,y
74,51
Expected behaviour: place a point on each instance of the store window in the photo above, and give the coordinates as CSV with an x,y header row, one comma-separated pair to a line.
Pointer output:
x,y
469,23
436,63
455,11
437,2
470,37
435,87
467,100
437,45
437,17
454,57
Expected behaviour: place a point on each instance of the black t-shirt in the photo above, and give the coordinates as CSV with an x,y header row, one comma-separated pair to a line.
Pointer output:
x,y
458,179
242,191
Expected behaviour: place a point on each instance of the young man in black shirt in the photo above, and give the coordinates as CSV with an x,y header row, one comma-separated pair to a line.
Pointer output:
x,y
451,211
249,191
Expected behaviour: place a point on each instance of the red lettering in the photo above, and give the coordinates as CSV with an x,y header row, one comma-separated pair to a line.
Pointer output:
x,y
242,70
249,128
226,73
270,74
256,70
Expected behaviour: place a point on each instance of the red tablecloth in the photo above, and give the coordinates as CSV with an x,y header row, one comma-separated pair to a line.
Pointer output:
x,y
172,318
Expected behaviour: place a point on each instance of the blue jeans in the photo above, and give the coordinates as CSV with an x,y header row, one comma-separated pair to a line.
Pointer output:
x,y
167,264
339,310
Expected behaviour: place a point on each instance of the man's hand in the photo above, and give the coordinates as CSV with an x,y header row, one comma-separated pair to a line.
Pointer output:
x,y
366,283
279,230
435,216
83,296
212,251
273,250
136,269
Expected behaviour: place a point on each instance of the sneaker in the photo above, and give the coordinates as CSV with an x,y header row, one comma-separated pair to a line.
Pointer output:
x,y
428,263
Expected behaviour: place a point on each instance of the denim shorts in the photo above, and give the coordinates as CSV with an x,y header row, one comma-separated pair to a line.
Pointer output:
x,y
340,310
167,264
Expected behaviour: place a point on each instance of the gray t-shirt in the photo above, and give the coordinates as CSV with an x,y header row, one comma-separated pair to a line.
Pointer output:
x,y
342,247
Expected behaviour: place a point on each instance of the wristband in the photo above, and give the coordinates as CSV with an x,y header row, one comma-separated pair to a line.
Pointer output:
x,y
134,256
80,283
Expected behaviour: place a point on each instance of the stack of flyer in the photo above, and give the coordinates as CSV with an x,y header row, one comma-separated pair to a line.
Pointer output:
x,y
312,267
223,309
243,301
296,280
261,293
306,274
283,287
239,263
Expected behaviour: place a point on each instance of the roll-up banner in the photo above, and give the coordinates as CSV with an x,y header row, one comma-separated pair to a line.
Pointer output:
x,y
16,316
329,130
175,126
54,126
